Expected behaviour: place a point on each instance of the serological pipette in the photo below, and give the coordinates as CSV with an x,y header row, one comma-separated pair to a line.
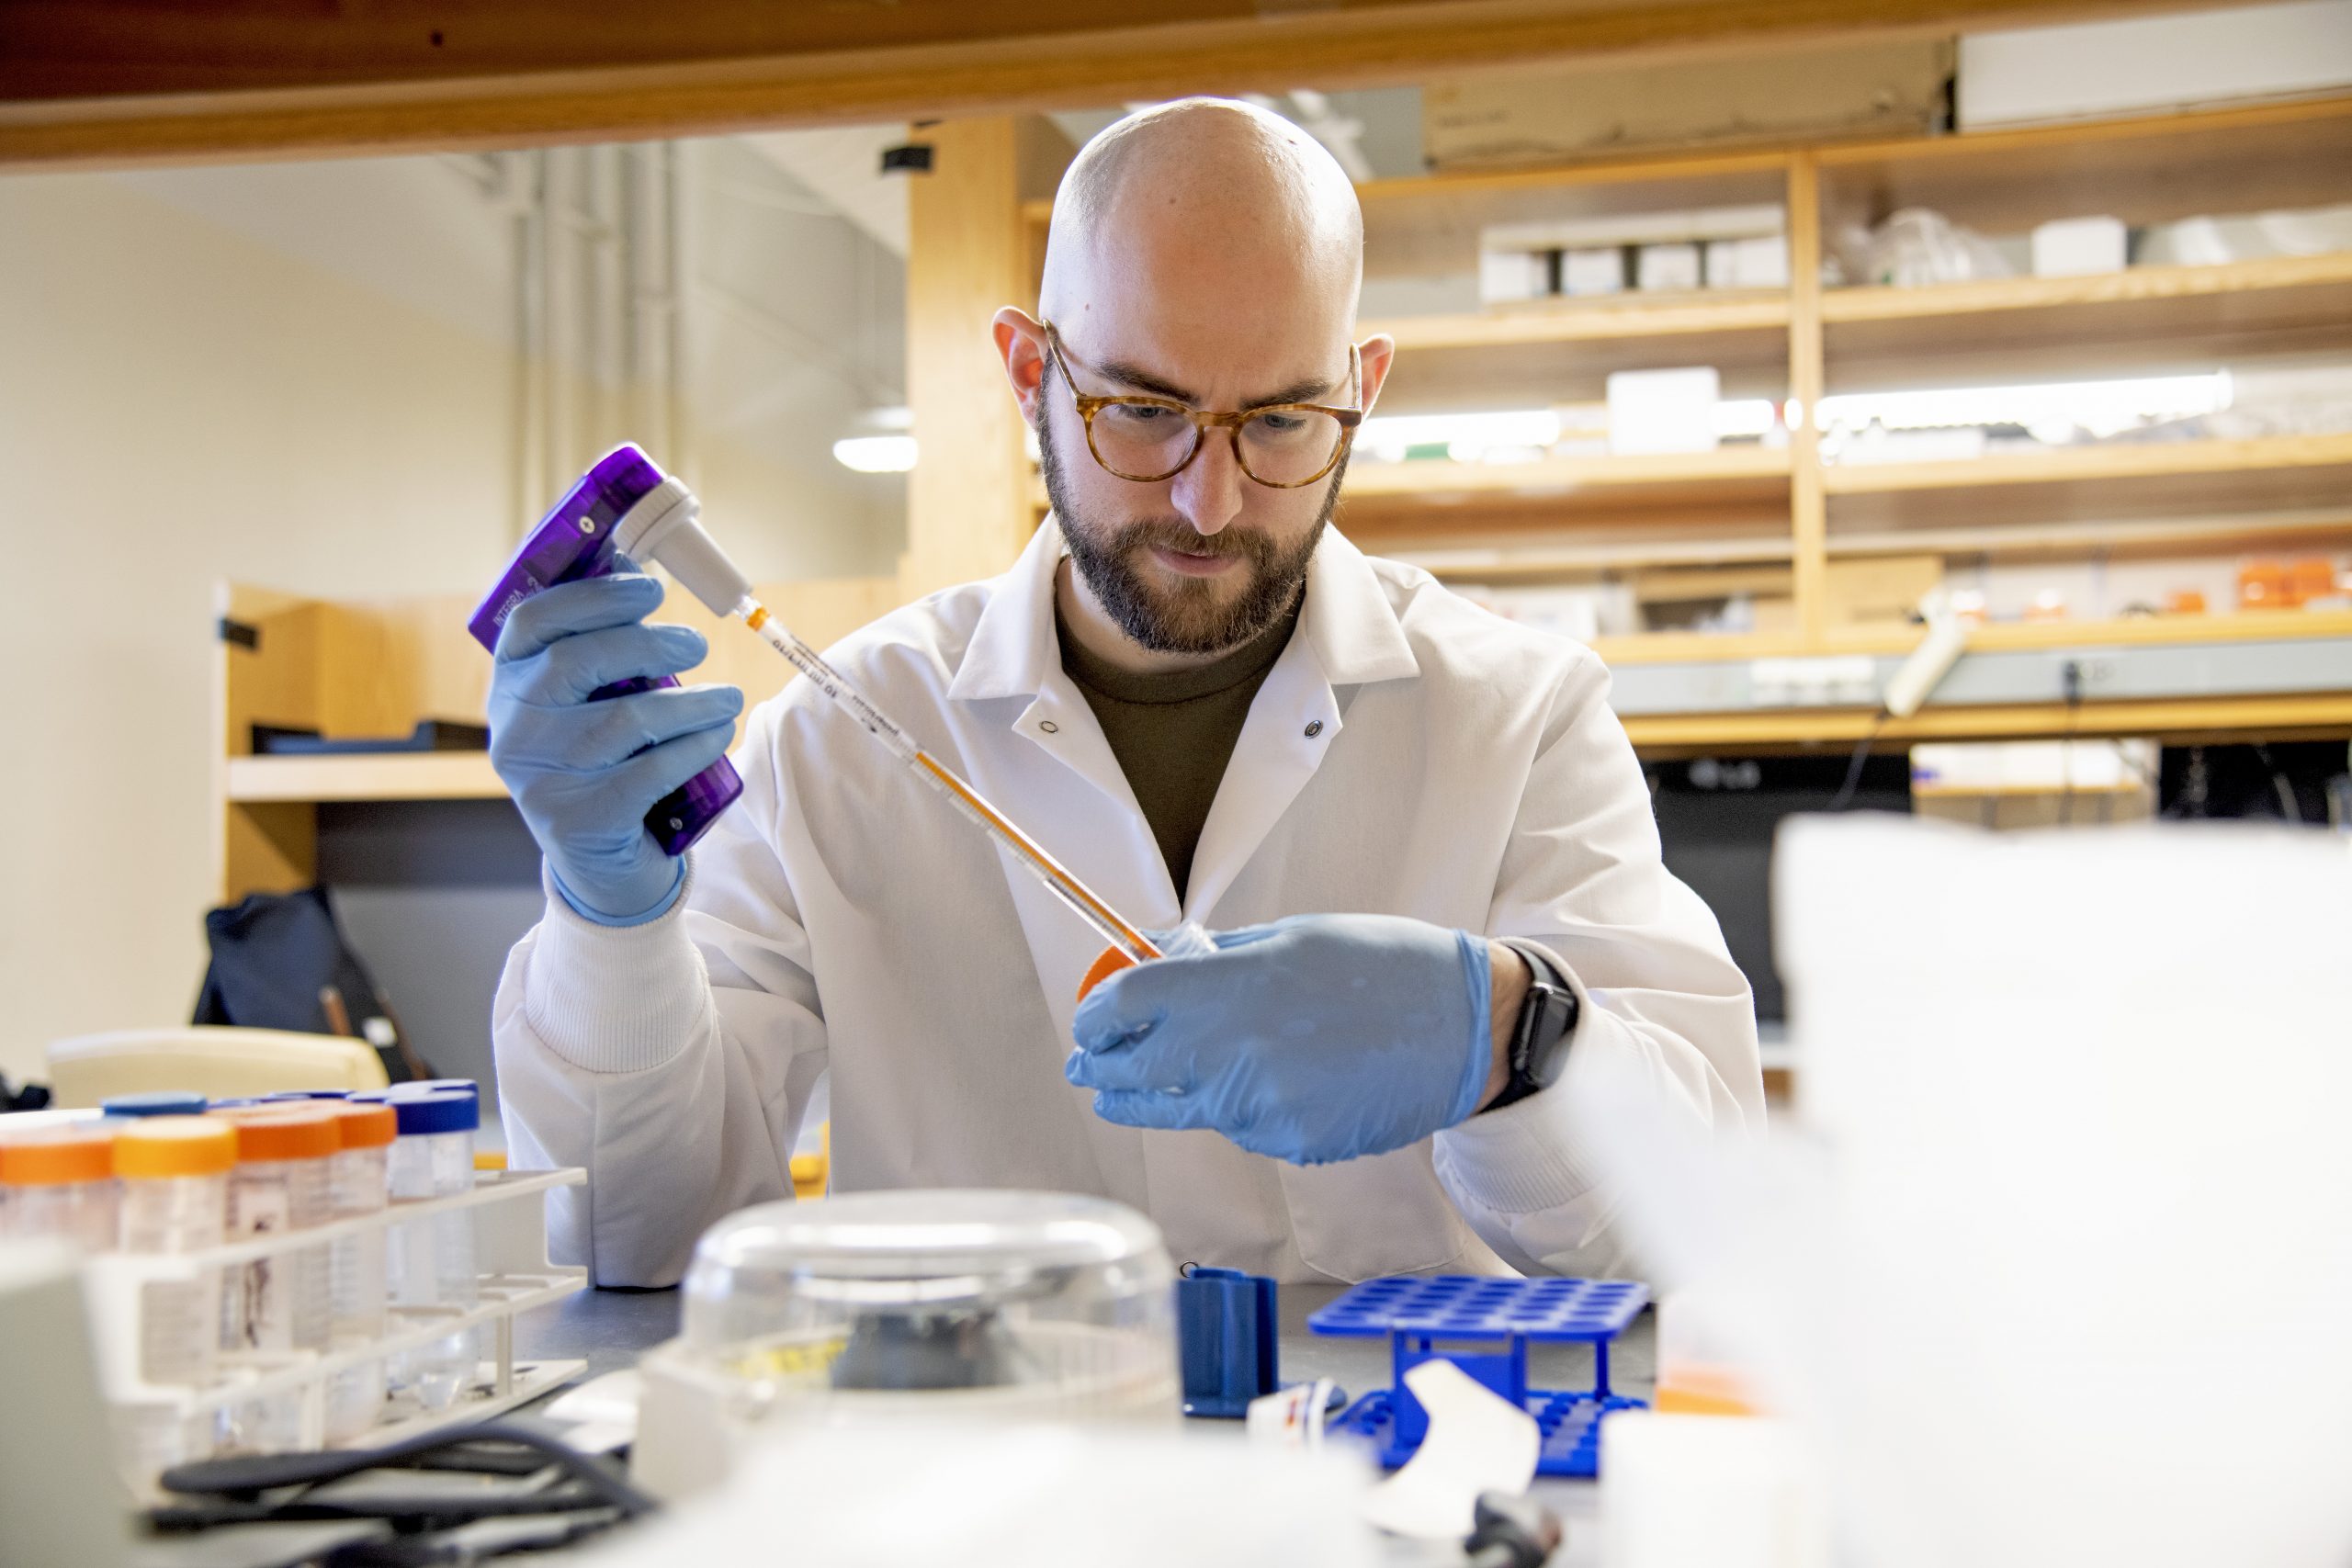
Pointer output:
x,y
1058,878
664,526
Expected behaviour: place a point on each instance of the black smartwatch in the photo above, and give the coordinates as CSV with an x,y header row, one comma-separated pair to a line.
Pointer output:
x,y
1539,1039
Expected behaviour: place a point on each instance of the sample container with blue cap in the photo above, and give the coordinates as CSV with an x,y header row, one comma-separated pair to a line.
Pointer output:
x,y
158,1102
416,1087
431,1267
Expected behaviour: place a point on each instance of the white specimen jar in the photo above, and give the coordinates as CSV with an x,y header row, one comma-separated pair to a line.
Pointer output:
x,y
431,1262
174,1176
276,1307
358,1185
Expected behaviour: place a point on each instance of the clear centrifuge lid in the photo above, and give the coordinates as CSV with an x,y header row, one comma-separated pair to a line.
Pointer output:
x,y
929,1291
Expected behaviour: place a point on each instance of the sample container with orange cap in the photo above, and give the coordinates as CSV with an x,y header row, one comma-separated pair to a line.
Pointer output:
x,y
59,1181
174,1176
357,1185
1699,1371
279,1304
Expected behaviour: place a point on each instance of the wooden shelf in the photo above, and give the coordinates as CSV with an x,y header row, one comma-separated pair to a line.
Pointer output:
x,y
423,775
2125,484
2063,465
2143,316
2303,529
1750,509
2327,715
2013,636
1426,225
2005,637
2261,280
1923,790
1751,469
1541,563
1537,355
2265,158
1632,315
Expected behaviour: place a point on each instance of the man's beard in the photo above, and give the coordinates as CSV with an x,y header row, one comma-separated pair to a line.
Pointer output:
x,y
1186,619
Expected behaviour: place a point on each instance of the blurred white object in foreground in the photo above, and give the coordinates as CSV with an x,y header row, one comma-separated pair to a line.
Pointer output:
x,y
1477,1442
2057,1267
1037,1497
1709,1492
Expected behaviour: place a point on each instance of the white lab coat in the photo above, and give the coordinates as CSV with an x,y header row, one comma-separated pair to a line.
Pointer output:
x,y
1408,754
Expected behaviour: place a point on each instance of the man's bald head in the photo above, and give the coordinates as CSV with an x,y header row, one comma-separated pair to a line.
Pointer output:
x,y
1222,193
1207,254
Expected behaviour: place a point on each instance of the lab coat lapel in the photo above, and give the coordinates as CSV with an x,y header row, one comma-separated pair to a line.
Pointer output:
x,y
1347,636
1051,770
1053,773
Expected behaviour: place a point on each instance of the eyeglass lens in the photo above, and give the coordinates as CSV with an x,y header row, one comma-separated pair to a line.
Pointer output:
x,y
1279,447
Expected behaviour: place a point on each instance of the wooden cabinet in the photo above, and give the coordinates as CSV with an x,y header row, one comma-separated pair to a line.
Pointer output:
x,y
1800,525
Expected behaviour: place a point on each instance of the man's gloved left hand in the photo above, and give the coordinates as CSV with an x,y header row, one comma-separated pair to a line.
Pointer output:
x,y
1313,1039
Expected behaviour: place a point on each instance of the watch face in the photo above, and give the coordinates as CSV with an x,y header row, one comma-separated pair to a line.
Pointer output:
x,y
1553,1018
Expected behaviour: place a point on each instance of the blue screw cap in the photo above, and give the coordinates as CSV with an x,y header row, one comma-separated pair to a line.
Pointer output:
x,y
424,1114
159,1103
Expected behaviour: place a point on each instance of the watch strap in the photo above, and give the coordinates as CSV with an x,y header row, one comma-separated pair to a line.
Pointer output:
x,y
1547,1015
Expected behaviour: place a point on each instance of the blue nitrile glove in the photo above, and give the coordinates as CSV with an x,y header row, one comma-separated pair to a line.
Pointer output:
x,y
585,773
1316,1038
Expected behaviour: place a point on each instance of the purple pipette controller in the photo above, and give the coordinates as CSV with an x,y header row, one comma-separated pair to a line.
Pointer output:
x,y
574,541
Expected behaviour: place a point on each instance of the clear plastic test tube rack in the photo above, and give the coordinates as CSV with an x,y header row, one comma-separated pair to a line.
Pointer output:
x,y
509,1212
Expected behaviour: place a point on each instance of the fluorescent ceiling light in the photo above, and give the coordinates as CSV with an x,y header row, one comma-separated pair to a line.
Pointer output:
x,y
875,454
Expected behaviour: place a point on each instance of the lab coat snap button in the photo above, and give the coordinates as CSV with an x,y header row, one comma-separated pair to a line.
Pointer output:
x,y
1315,729
1049,727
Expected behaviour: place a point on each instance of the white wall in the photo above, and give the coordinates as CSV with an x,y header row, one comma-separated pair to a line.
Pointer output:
x,y
796,323
181,402
304,376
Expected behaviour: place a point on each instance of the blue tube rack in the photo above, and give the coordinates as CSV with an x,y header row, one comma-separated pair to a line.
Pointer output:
x,y
1462,1318
1225,1326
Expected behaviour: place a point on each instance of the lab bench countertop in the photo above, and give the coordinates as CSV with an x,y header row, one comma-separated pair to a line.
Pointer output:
x,y
610,1329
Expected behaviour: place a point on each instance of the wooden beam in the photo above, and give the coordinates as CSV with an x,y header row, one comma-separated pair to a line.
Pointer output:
x,y
121,82
967,499
1808,503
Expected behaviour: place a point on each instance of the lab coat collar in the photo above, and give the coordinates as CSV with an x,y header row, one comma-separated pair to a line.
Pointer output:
x,y
1346,621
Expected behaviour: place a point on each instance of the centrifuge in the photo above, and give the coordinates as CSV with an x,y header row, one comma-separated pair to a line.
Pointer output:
x,y
929,1307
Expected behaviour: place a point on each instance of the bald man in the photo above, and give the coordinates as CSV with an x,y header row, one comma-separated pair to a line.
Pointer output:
x,y
1399,850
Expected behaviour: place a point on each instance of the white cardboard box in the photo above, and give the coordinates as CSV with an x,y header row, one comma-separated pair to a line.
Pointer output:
x,y
2154,64
1600,270
1667,266
1507,275
2072,247
1608,105
1761,262
1664,410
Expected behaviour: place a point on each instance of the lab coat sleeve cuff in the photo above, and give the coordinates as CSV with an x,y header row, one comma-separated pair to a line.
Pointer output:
x,y
1525,1158
615,999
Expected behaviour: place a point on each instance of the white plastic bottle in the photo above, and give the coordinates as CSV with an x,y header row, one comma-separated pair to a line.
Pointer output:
x,y
359,1184
277,1306
432,1258
174,1176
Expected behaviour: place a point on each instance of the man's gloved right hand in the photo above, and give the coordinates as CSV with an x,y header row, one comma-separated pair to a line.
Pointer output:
x,y
585,773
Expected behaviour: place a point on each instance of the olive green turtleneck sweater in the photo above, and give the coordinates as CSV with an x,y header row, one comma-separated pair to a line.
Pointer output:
x,y
1173,733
